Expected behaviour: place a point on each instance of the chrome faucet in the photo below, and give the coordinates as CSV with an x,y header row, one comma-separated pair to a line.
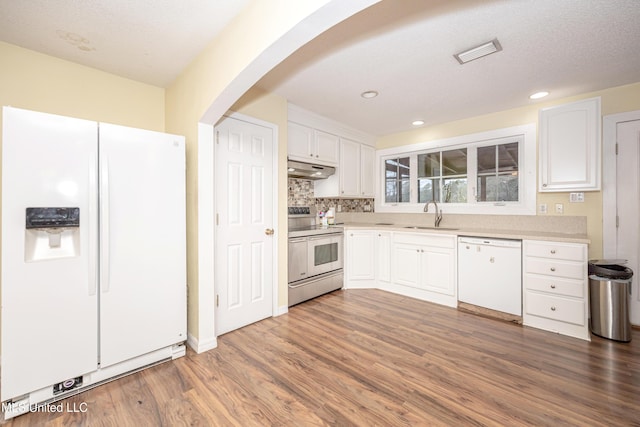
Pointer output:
x,y
438,217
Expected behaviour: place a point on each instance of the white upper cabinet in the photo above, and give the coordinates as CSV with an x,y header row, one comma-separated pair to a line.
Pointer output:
x,y
349,168
570,147
311,145
367,170
326,147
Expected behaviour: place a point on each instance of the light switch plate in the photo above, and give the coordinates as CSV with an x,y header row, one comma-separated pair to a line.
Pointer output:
x,y
576,197
542,208
559,208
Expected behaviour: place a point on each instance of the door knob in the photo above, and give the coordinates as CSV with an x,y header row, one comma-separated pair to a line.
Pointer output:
x,y
268,231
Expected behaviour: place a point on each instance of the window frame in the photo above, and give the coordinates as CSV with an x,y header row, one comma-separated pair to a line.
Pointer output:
x,y
524,134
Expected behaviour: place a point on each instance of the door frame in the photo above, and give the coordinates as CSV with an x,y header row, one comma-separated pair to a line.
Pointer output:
x,y
205,320
609,181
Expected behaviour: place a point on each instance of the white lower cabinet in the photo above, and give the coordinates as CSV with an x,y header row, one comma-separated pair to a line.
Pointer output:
x,y
418,265
383,256
424,266
368,258
360,259
555,284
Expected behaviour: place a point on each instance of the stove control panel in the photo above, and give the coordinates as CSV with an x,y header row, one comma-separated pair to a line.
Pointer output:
x,y
299,210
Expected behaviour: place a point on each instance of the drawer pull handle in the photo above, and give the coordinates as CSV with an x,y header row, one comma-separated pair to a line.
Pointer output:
x,y
553,251
553,308
553,286
553,269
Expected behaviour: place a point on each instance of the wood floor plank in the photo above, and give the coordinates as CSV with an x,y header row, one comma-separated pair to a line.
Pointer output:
x,y
371,358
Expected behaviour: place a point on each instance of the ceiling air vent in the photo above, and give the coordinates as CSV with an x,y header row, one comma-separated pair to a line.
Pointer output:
x,y
478,51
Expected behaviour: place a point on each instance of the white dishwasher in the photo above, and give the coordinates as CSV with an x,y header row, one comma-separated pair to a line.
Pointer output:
x,y
490,273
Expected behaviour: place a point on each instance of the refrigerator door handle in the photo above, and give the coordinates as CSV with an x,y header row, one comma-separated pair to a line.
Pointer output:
x,y
93,229
104,222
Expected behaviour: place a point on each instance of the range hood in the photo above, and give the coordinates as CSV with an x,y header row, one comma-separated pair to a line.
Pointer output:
x,y
309,171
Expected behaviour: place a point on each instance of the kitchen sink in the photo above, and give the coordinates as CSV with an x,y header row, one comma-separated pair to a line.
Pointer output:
x,y
416,227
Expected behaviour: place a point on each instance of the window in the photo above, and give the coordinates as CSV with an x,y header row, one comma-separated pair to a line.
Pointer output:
x,y
442,176
397,184
498,173
488,173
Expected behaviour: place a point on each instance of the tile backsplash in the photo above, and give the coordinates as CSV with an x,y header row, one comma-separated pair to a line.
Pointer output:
x,y
301,194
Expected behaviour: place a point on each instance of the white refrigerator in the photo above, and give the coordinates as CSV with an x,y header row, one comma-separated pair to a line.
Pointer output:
x,y
93,254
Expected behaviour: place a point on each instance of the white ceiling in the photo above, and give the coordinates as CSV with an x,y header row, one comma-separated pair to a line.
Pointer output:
x,y
567,47
150,41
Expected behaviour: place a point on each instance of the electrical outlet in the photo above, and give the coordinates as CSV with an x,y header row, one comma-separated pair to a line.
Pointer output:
x,y
542,208
339,208
559,208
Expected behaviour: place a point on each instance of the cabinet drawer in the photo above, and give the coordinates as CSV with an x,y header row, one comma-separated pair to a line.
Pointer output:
x,y
564,251
556,308
556,286
549,267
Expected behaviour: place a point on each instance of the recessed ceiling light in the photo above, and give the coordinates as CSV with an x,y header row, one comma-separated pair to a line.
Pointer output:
x,y
478,52
417,122
369,94
539,95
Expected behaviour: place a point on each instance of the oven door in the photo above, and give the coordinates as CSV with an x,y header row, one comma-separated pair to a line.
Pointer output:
x,y
324,253
298,259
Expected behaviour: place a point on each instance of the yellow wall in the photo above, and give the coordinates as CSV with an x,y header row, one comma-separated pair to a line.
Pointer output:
x,y
39,82
212,79
614,100
273,109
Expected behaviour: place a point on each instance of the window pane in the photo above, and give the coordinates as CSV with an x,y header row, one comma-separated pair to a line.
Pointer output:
x,y
508,157
454,162
454,190
498,188
391,192
428,189
404,167
397,180
405,195
487,159
429,165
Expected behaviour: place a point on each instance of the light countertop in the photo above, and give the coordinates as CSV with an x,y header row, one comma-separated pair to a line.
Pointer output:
x,y
473,232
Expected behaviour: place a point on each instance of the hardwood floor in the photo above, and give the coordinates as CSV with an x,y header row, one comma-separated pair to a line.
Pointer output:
x,y
371,358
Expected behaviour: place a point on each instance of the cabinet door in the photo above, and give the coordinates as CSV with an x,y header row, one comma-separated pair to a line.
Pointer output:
x,y
570,146
299,142
437,270
406,264
367,170
383,256
360,255
326,148
349,168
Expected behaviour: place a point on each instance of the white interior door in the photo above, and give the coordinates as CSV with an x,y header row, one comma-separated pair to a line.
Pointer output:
x,y
244,224
628,204
143,242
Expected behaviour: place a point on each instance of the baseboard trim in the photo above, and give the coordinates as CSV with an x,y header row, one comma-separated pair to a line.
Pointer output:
x,y
201,347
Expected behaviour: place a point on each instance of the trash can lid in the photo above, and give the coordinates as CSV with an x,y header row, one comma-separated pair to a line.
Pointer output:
x,y
608,261
610,269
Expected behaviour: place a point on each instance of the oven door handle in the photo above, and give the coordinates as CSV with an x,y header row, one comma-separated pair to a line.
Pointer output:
x,y
324,237
300,240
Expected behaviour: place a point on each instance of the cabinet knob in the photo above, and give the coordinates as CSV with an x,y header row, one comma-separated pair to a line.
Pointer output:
x,y
492,260
379,235
317,155
553,251
553,269
553,308
553,286
544,185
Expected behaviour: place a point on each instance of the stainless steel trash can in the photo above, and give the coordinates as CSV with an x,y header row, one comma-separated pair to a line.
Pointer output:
x,y
609,295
